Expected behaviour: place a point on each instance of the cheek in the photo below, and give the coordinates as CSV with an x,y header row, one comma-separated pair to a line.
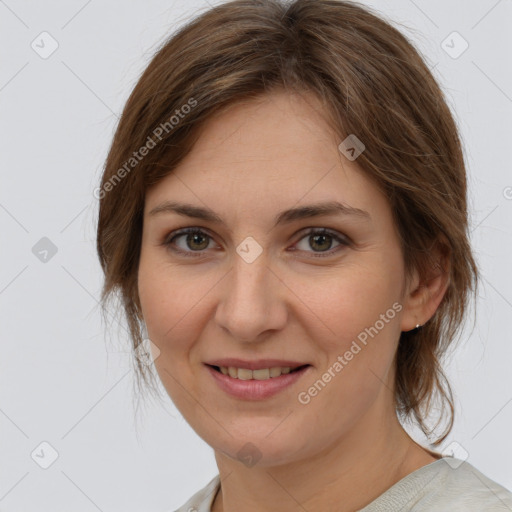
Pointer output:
x,y
175,306
166,319
170,309
165,300
356,327
344,307
359,319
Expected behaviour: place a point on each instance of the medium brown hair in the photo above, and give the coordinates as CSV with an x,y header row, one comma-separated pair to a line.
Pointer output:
x,y
372,82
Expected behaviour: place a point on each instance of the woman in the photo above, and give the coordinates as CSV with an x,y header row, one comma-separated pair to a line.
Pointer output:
x,y
283,209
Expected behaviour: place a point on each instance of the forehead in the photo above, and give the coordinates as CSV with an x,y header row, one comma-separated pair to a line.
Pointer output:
x,y
273,131
267,153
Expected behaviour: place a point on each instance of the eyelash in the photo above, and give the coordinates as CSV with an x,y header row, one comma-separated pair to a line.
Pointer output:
x,y
169,239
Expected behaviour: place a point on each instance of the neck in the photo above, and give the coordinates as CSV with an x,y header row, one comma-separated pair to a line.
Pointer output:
x,y
346,476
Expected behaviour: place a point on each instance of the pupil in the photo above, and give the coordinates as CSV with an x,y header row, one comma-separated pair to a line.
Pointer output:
x,y
324,237
193,238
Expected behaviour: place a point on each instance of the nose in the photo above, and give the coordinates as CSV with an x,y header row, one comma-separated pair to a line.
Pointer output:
x,y
252,300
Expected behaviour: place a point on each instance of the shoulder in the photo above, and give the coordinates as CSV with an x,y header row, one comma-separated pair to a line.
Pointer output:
x,y
202,500
446,485
469,489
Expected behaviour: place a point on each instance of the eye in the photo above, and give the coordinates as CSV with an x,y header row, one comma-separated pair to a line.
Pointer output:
x,y
194,240
322,240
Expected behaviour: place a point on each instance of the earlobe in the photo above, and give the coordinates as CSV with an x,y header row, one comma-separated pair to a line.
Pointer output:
x,y
424,295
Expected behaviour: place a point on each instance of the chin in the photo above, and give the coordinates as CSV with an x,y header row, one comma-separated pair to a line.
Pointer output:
x,y
266,447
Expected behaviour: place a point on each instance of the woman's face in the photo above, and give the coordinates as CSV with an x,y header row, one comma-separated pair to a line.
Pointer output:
x,y
254,283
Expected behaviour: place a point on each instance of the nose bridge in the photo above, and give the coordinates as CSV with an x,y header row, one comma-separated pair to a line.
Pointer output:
x,y
250,272
249,286
249,301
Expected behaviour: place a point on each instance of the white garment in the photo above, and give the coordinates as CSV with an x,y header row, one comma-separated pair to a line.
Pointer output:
x,y
446,485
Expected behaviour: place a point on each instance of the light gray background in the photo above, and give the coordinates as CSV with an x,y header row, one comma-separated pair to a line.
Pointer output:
x,y
62,381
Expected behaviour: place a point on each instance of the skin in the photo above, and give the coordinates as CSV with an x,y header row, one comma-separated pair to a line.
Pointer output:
x,y
345,447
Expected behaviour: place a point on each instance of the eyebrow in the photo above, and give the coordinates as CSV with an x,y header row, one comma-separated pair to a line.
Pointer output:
x,y
286,216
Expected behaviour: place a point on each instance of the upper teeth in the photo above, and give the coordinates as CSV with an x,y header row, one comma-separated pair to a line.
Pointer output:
x,y
246,374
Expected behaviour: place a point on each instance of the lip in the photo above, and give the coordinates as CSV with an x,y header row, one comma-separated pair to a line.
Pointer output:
x,y
254,365
253,389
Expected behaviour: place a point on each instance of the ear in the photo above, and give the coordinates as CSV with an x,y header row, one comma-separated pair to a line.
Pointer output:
x,y
424,293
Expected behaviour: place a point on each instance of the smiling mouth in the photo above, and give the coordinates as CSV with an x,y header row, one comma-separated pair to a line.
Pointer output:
x,y
262,374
